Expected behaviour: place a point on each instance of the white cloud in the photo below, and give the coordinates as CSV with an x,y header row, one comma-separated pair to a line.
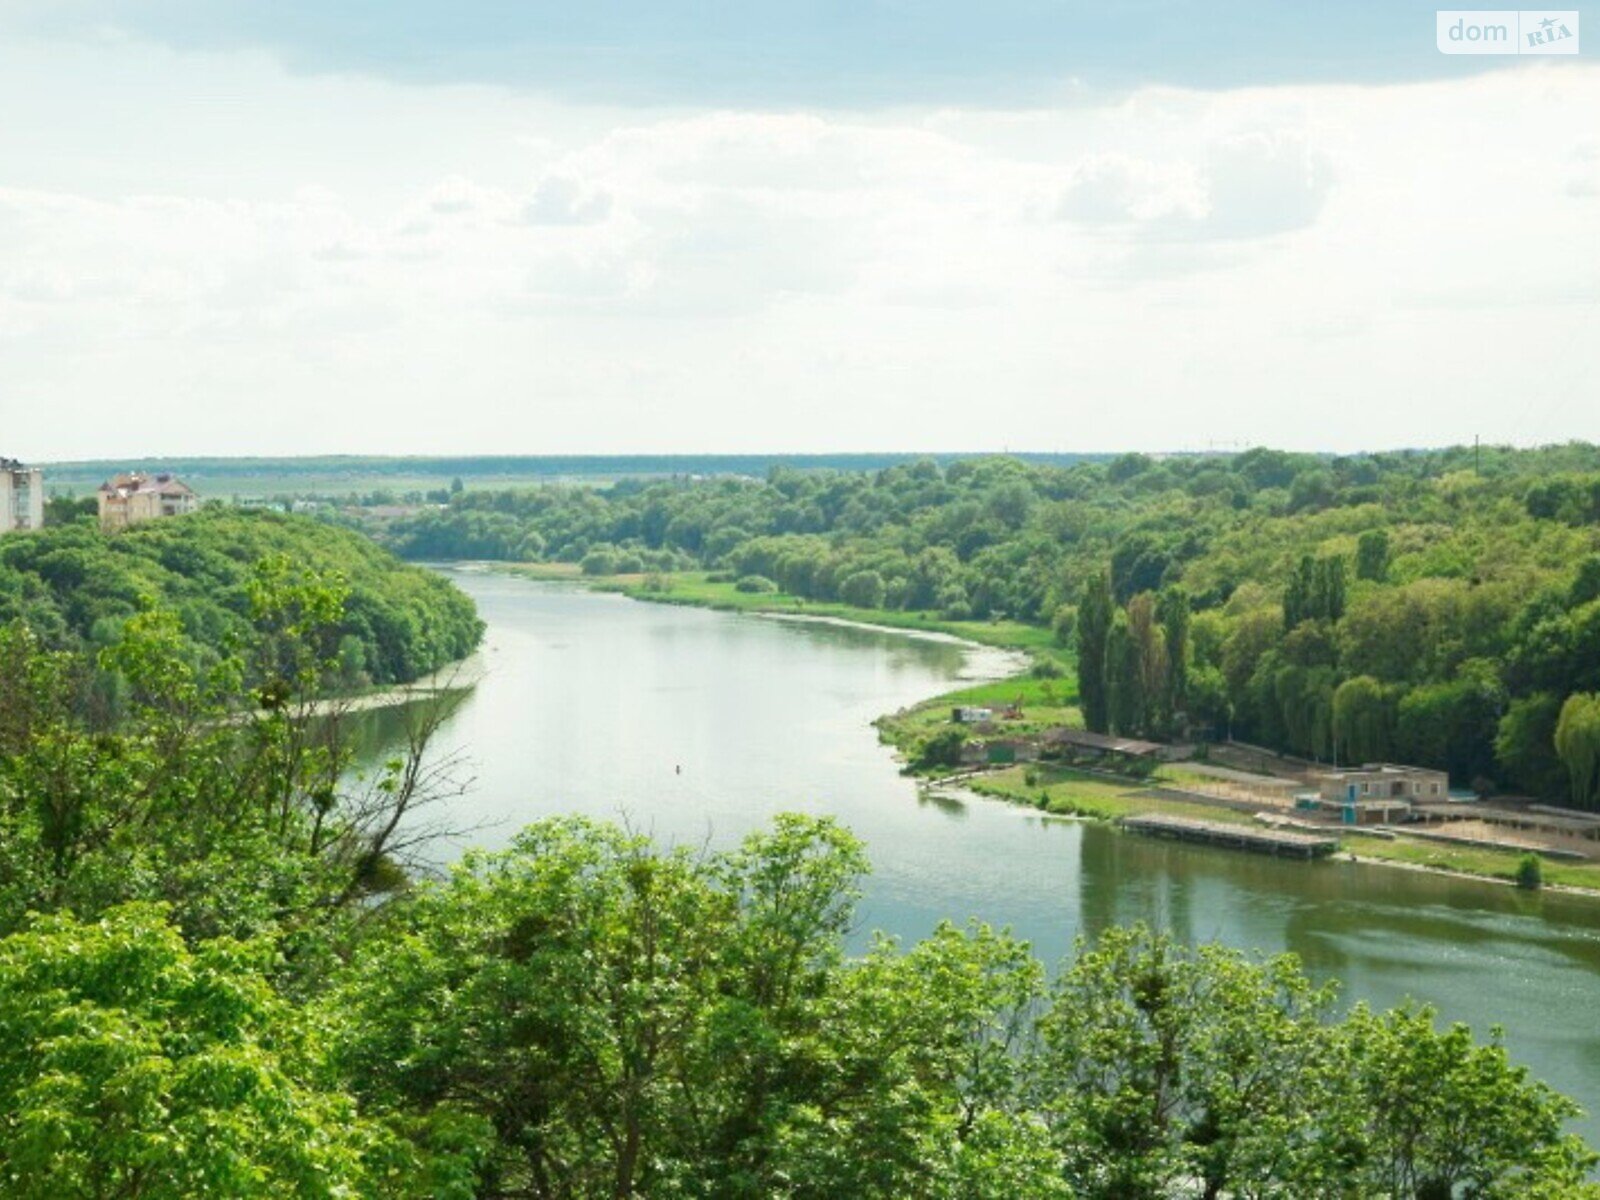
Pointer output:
x,y
561,200
458,269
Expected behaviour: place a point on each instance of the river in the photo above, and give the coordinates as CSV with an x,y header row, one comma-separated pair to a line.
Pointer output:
x,y
697,726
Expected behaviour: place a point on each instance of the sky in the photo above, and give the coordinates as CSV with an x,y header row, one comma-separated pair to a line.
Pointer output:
x,y
506,227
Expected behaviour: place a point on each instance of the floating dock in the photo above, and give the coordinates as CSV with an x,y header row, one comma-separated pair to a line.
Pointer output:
x,y
1236,837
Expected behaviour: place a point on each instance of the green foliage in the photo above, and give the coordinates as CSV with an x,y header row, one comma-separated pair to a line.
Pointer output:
x,y
1525,746
586,1015
941,748
1364,719
863,589
1402,568
1530,873
76,586
218,786
1315,592
1163,1066
1372,555
1095,613
131,1065
1435,1115
1577,741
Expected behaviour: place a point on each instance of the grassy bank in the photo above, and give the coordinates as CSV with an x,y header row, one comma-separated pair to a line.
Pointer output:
x,y
700,589
1068,792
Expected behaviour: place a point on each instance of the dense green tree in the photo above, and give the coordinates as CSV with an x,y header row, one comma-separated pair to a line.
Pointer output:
x,y
224,789
864,589
1095,612
132,1065
1438,1116
1452,725
1153,673
1174,611
1127,701
630,1021
1315,592
1363,721
1166,1071
1577,741
75,586
1372,555
1453,556
1525,747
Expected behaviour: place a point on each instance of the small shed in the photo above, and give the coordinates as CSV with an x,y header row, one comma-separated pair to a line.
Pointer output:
x,y
1108,744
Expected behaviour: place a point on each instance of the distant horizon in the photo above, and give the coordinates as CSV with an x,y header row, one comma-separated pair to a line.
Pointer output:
x,y
735,455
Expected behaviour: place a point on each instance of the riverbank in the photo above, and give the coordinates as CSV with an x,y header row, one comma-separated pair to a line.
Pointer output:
x,y
1094,796
1042,687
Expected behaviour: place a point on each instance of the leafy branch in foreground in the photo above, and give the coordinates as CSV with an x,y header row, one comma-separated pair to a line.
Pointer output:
x,y
227,789
637,1022
587,1016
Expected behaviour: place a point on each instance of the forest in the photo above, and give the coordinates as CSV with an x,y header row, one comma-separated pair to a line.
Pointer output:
x,y
76,588
223,974
1436,607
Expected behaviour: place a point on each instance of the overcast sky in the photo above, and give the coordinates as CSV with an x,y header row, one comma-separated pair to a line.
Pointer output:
x,y
490,227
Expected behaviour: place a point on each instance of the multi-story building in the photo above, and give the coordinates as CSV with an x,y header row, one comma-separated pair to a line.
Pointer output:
x,y
21,496
129,499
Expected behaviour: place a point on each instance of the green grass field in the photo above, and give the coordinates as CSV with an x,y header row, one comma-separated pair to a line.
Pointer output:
x,y
1078,793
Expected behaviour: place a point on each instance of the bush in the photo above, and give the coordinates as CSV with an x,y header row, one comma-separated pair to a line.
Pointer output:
x,y
755,584
942,749
1530,873
864,589
599,561
1064,625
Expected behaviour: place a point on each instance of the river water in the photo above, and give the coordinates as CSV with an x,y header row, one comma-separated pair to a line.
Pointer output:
x,y
697,726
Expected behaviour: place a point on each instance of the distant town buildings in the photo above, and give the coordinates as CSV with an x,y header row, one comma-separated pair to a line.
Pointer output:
x,y
129,499
21,496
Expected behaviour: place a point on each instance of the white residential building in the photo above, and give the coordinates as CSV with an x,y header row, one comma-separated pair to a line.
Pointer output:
x,y
21,496
129,499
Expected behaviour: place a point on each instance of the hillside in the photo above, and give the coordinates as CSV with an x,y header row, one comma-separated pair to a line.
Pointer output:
x,y
76,586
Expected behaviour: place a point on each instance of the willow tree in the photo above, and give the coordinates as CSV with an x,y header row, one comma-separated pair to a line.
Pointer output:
x,y
1363,720
1578,744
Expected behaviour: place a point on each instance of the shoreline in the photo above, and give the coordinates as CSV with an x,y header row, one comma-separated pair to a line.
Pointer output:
x,y
1017,658
1007,664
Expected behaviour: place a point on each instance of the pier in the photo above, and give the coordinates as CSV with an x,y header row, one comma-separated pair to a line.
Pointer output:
x,y
1235,837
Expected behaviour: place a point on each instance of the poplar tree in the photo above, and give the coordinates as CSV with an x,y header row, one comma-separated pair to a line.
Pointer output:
x,y
1094,627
